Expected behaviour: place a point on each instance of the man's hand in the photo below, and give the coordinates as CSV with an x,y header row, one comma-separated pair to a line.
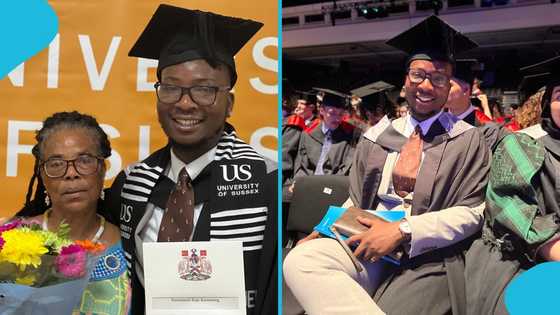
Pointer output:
x,y
550,251
485,106
291,187
381,239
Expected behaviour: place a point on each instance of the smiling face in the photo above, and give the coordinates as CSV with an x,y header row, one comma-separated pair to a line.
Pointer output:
x,y
72,192
191,126
424,99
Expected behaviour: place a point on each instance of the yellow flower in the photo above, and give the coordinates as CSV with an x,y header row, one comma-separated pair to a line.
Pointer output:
x,y
23,248
26,280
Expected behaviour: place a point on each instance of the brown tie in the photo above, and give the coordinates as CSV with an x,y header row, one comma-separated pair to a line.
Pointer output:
x,y
406,168
177,222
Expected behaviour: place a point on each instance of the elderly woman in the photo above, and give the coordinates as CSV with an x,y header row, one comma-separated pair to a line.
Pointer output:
x,y
522,214
69,170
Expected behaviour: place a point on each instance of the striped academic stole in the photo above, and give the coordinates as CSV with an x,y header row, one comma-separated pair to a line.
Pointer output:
x,y
231,188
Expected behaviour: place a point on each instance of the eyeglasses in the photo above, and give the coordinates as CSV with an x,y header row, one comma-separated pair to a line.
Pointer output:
x,y
437,79
84,164
201,95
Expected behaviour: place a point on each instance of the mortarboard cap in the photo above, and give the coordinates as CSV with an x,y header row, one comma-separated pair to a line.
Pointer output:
x,y
373,95
432,39
333,98
549,70
309,97
531,84
175,35
372,88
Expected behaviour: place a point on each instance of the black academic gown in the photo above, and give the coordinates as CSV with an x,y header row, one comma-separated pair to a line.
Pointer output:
x,y
291,133
453,173
489,267
339,157
128,209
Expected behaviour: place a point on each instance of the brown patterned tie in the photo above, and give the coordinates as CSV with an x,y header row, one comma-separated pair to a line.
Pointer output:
x,y
406,168
177,222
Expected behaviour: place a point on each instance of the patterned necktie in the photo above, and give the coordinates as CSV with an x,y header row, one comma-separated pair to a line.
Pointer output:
x,y
406,168
324,151
177,222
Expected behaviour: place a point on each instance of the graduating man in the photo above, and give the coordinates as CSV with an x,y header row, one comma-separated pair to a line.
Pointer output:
x,y
459,103
374,103
429,165
172,195
459,100
294,125
326,148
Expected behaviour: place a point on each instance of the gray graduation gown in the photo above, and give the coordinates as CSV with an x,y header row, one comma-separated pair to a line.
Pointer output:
x,y
453,173
492,132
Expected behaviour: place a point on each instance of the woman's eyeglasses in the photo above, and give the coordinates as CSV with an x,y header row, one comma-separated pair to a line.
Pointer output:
x,y
84,164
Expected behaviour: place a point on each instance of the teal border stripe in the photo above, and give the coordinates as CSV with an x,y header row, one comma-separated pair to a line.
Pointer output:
x,y
280,157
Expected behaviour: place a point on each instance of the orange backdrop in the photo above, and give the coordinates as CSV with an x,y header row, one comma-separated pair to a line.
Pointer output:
x,y
86,68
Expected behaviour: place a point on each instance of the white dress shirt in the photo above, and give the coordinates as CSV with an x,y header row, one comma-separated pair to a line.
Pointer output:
x,y
466,113
150,222
151,230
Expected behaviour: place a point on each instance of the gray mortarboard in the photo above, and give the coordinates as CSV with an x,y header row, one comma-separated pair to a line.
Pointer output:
x,y
175,35
432,39
333,98
373,95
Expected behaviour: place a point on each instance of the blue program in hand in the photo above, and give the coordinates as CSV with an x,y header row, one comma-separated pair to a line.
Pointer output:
x,y
334,213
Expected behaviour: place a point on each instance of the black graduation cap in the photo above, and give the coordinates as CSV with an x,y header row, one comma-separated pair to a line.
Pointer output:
x,y
549,69
309,97
464,70
175,35
432,39
333,98
531,84
373,95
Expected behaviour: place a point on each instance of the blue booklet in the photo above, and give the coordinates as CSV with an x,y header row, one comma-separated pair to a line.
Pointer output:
x,y
333,213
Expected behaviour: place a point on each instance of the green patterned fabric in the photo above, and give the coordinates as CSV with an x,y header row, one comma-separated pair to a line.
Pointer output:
x,y
108,291
511,198
105,297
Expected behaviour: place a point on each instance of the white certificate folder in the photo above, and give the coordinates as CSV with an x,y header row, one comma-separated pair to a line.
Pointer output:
x,y
194,278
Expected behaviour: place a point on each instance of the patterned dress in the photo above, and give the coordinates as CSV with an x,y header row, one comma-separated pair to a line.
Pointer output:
x,y
108,292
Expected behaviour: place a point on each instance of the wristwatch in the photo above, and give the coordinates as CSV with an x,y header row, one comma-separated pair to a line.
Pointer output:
x,y
405,230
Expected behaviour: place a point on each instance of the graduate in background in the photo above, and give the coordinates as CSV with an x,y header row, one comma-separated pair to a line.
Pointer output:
x,y
375,103
172,196
293,126
326,147
521,221
460,103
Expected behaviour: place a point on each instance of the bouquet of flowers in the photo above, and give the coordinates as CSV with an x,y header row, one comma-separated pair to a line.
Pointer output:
x,y
42,272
